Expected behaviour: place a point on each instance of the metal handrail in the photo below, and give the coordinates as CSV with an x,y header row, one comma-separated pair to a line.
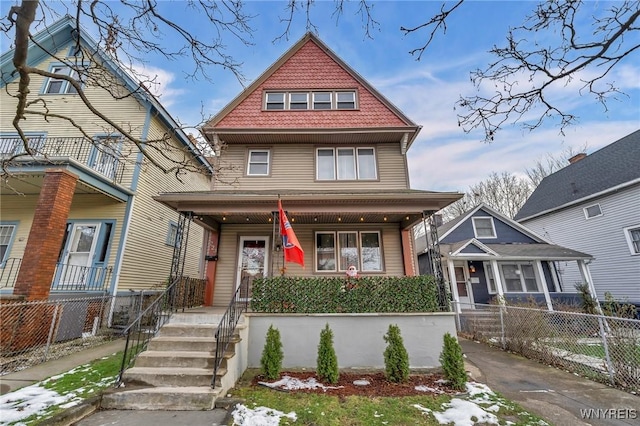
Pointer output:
x,y
227,326
179,295
9,271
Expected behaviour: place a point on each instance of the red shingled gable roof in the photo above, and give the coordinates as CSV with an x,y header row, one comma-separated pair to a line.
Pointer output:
x,y
310,65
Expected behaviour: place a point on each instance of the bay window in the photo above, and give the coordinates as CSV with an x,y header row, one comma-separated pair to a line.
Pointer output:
x,y
337,251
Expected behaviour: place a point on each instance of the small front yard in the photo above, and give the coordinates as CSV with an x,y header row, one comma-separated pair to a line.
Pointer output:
x,y
265,406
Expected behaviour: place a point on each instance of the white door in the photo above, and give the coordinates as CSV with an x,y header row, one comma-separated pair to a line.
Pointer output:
x,y
252,262
462,283
78,258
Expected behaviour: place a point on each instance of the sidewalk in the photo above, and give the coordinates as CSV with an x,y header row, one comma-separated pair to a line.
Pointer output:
x,y
11,382
551,393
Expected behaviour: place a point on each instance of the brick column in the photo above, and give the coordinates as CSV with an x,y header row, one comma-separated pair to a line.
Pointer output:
x,y
408,254
46,234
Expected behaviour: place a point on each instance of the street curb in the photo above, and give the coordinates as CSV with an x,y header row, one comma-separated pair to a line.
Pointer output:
x,y
73,415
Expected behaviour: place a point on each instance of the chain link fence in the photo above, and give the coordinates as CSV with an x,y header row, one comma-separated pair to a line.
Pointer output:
x,y
34,332
603,348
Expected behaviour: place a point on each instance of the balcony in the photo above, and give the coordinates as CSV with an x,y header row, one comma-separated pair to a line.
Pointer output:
x,y
67,278
103,156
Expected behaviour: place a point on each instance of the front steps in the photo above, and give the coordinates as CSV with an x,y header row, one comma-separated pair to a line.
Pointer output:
x,y
175,371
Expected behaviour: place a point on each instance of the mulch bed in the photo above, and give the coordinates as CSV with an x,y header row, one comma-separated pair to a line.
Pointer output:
x,y
378,384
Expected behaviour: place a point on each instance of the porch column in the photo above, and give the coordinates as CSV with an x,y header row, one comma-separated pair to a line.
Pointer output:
x,y
586,277
408,255
210,268
545,289
498,280
453,284
46,235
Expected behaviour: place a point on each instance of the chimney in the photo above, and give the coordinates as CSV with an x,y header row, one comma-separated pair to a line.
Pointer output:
x,y
579,156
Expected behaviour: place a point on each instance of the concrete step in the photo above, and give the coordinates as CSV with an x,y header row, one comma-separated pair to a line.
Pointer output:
x,y
182,343
193,330
191,398
177,359
169,376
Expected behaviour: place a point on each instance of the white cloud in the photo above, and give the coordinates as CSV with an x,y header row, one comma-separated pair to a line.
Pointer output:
x,y
160,82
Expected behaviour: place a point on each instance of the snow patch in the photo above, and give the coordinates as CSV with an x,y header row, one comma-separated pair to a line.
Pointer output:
x,y
259,416
293,383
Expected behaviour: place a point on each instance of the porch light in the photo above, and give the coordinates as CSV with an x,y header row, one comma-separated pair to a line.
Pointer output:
x,y
293,219
384,218
270,219
361,219
315,218
472,268
247,218
224,218
407,218
339,219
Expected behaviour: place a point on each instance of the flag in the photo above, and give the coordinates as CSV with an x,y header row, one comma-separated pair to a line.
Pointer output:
x,y
292,250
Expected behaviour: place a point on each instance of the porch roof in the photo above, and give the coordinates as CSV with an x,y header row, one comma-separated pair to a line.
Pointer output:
x,y
537,251
404,206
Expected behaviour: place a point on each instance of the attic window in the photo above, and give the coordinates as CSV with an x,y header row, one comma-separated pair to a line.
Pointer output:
x,y
59,86
301,100
483,227
592,211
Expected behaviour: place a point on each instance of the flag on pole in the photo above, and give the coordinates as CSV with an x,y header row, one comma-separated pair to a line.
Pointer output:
x,y
292,249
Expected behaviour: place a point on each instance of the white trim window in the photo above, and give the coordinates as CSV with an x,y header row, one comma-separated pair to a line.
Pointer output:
x,y
304,100
519,278
172,234
258,162
632,235
346,164
6,237
59,86
483,227
337,251
491,281
592,211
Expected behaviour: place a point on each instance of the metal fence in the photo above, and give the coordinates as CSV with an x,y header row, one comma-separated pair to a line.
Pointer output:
x,y
35,332
603,348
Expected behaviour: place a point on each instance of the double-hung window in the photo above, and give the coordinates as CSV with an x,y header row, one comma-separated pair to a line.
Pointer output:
x,y
346,100
258,164
61,86
321,100
275,100
315,100
346,164
483,227
632,235
298,101
7,231
337,251
519,278
172,234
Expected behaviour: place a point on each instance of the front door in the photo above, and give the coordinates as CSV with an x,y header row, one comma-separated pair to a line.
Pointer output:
x,y
462,283
78,258
252,261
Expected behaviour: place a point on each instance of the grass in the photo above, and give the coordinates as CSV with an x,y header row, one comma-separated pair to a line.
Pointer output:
x,y
327,410
81,383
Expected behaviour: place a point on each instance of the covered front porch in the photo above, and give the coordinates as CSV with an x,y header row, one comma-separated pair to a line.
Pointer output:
x,y
511,273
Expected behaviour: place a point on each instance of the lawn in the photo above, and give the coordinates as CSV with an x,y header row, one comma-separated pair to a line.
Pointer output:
x,y
478,405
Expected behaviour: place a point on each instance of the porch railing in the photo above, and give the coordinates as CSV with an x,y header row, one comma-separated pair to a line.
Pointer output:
x,y
182,293
66,277
100,157
227,326
81,278
9,272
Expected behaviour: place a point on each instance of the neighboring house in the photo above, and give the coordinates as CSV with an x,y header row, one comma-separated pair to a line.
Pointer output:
x,y
487,257
313,132
77,216
593,205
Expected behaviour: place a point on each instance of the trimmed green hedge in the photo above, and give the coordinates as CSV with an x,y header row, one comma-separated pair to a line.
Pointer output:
x,y
336,294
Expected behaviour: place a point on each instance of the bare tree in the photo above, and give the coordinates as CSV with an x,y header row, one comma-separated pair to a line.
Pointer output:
x,y
550,164
517,87
85,71
506,193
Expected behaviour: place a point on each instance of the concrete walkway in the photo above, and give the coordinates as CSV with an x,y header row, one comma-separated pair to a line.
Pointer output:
x,y
560,397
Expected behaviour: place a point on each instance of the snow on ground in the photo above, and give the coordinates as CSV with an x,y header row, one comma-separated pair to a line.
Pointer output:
x,y
30,400
292,383
259,416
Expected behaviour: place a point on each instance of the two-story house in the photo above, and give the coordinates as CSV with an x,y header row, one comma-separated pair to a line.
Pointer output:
x,y
489,258
315,133
593,205
77,213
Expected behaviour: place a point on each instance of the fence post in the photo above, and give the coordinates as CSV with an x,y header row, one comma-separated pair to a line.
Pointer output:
x,y
605,345
50,337
502,336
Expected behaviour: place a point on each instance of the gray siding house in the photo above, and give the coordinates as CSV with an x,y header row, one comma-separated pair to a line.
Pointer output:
x,y
593,205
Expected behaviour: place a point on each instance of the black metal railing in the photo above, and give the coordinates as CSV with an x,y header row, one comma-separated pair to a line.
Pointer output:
x,y
101,157
81,278
9,272
225,334
182,293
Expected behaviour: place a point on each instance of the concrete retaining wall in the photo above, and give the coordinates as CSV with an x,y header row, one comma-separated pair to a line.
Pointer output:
x,y
358,338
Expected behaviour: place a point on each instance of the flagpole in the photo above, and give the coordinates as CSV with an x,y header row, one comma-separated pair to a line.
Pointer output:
x,y
284,259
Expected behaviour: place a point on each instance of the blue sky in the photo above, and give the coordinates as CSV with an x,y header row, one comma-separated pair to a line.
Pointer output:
x,y
443,158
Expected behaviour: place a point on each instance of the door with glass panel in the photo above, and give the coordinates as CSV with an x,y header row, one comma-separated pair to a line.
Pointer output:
x,y
78,257
252,261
